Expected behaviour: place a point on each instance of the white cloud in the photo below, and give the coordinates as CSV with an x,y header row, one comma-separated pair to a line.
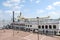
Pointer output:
x,y
54,14
39,11
7,4
56,3
0,11
31,0
23,1
1,14
37,1
9,13
17,1
50,7
13,4
17,8
17,12
22,5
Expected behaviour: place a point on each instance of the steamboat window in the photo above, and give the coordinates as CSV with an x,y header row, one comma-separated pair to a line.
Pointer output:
x,y
59,31
50,27
54,26
39,26
42,26
46,26
30,25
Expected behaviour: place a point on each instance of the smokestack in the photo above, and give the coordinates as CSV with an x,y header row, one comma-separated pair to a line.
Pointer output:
x,y
13,16
20,14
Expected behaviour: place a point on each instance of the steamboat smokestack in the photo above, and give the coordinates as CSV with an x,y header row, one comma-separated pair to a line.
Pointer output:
x,y
20,14
13,16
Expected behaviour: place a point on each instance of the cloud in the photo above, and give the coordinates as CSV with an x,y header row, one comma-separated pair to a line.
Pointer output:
x,y
0,11
53,5
7,14
37,1
39,11
50,7
23,1
54,14
31,0
13,4
56,3
1,14
7,4
16,1
10,12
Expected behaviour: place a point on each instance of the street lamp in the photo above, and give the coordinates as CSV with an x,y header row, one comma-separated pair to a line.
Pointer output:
x,y
38,26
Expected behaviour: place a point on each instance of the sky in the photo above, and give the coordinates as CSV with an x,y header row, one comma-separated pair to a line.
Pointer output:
x,y
30,8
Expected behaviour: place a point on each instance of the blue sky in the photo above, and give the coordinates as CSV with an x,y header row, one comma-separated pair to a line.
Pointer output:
x,y
30,8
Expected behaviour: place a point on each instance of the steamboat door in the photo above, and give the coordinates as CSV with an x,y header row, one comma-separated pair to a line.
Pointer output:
x,y
54,32
39,27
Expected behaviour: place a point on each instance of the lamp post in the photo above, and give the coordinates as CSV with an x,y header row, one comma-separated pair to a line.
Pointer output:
x,y
38,27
